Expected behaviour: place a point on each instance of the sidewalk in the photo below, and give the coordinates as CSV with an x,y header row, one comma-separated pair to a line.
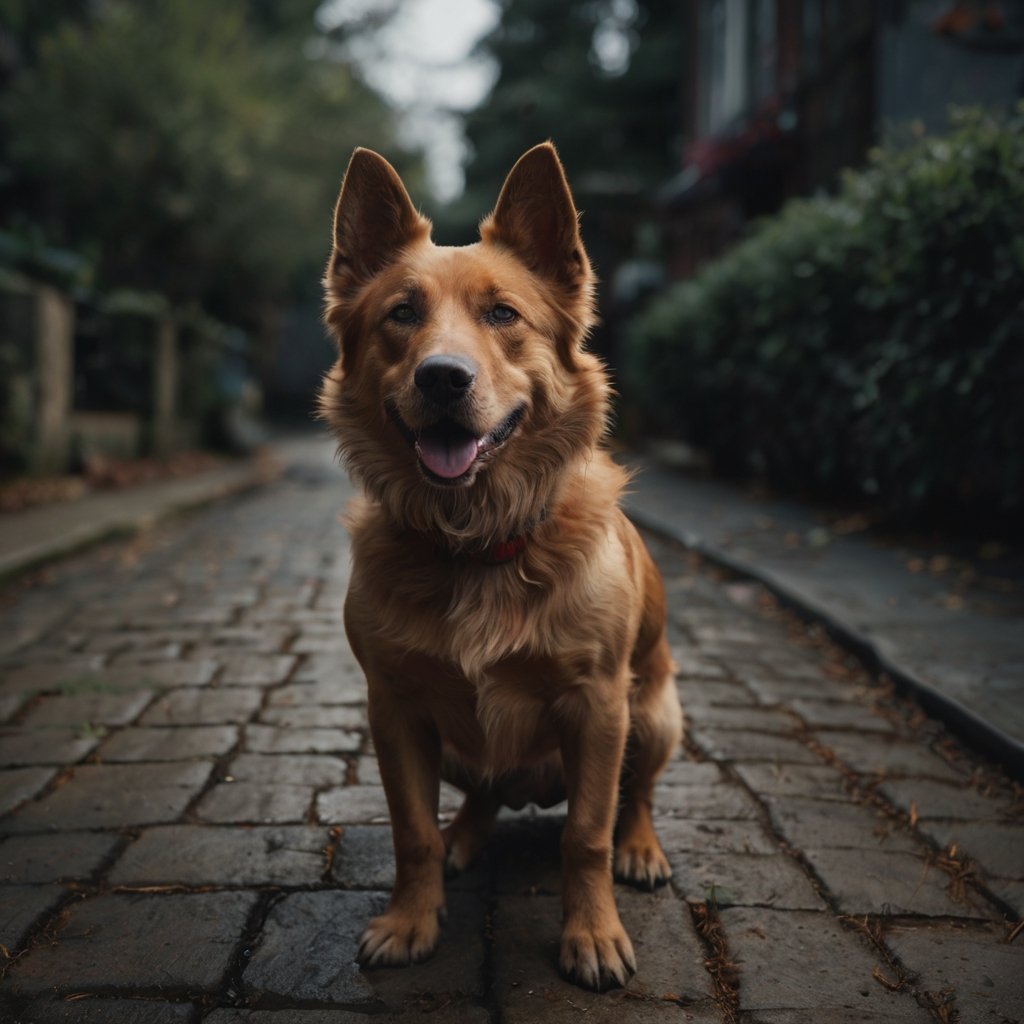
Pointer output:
x,y
193,829
959,650
36,535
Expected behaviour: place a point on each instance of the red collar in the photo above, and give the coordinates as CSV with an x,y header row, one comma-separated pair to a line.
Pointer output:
x,y
502,552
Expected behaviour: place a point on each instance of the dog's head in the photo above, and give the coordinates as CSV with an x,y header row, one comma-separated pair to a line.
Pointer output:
x,y
463,390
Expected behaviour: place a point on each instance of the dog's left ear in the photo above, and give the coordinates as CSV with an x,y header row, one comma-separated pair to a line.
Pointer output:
x,y
536,219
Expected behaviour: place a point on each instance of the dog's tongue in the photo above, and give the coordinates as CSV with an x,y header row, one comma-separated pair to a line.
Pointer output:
x,y
447,452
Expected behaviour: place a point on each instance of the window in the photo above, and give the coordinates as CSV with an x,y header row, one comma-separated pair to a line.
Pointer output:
x,y
811,34
724,38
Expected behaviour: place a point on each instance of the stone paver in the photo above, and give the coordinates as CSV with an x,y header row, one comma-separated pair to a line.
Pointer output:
x,y
798,960
41,858
255,669
719,801
309,716
364,858
268,739
890,757
261,788
352,805
741,745
309,945
197,856
703,837
996,848
202,707
108,1011
99,796
289,770
829,824
973,965
744,880
81,709
46,746
255,802
811,780
90,678
932,799
459,1013
169,941
193,828
24,906
888,882
171,744
330,690
19,784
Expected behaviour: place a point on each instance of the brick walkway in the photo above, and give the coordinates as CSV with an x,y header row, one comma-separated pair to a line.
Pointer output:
x,y
193,829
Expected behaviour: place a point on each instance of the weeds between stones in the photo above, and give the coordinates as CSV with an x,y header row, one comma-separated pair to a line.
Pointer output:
x,y
724,972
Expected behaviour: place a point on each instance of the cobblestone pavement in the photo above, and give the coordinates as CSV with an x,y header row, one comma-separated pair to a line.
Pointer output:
x,y
194,830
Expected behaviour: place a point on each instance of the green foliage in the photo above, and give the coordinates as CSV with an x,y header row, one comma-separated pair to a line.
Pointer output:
x,y
27,252
598,77
866,345
195,148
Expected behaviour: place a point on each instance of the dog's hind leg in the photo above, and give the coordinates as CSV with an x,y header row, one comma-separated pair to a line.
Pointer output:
x,y
465,837
655,731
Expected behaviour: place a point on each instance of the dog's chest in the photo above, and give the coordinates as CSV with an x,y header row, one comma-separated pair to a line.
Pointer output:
x,y
471,620
508,720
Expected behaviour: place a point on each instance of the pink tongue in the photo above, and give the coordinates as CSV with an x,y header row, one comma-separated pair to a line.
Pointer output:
x,y
445,456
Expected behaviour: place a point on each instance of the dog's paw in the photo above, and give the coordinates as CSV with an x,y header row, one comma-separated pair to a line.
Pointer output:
x,y
597,960
396,938
642,864
463,846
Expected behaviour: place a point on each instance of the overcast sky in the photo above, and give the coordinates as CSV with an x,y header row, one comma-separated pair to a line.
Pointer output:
x,y
420,62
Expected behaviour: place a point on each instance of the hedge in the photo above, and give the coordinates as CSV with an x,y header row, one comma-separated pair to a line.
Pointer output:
x,y
869,345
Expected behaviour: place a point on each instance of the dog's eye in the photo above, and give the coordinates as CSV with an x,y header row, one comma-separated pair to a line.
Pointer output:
x,y
503,314
403,313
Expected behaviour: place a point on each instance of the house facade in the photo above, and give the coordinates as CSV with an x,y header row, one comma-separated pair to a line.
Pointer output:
x,y
782,95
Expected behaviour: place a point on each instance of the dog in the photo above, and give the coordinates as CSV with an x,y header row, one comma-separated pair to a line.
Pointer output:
x,y
507,616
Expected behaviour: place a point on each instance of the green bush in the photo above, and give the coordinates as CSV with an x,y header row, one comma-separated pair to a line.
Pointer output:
x,y
867,345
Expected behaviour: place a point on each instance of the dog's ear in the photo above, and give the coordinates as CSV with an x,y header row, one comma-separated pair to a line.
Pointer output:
x,y
373,219
536,219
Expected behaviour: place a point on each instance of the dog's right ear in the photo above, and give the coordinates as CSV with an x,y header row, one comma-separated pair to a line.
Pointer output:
x,y
373,219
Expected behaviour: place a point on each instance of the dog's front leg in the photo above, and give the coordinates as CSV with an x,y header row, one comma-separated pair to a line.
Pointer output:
x,y
409,755
596,951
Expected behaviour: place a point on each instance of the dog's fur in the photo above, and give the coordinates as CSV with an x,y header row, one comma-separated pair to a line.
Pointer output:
x,y
508,618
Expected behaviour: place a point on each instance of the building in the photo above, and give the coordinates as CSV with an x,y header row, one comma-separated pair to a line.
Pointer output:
x,y
783,94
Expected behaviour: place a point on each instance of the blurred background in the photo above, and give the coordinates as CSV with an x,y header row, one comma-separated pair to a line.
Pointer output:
x,y
807,217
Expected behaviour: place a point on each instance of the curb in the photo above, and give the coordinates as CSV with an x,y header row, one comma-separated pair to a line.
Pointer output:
x,y
105,526
985,737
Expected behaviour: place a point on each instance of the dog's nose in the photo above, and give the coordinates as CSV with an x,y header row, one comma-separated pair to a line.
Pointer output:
x,y
445,379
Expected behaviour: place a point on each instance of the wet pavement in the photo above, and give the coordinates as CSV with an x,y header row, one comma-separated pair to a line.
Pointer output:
x,y
194,829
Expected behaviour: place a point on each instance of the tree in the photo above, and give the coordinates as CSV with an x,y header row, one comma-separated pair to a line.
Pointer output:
x,y
601,78
193,149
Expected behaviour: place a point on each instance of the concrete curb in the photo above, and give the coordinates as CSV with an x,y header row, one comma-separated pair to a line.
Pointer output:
x,y
985,737
38,536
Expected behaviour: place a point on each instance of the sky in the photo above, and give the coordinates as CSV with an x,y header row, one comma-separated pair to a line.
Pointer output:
x,y
420,62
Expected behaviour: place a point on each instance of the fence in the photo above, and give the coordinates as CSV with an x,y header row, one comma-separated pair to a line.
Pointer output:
x,y
126,377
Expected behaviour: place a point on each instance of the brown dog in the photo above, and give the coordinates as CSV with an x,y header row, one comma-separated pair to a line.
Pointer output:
x,y
507,615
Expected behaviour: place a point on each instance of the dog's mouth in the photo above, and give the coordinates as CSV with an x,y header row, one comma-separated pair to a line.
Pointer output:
x,y
447,451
